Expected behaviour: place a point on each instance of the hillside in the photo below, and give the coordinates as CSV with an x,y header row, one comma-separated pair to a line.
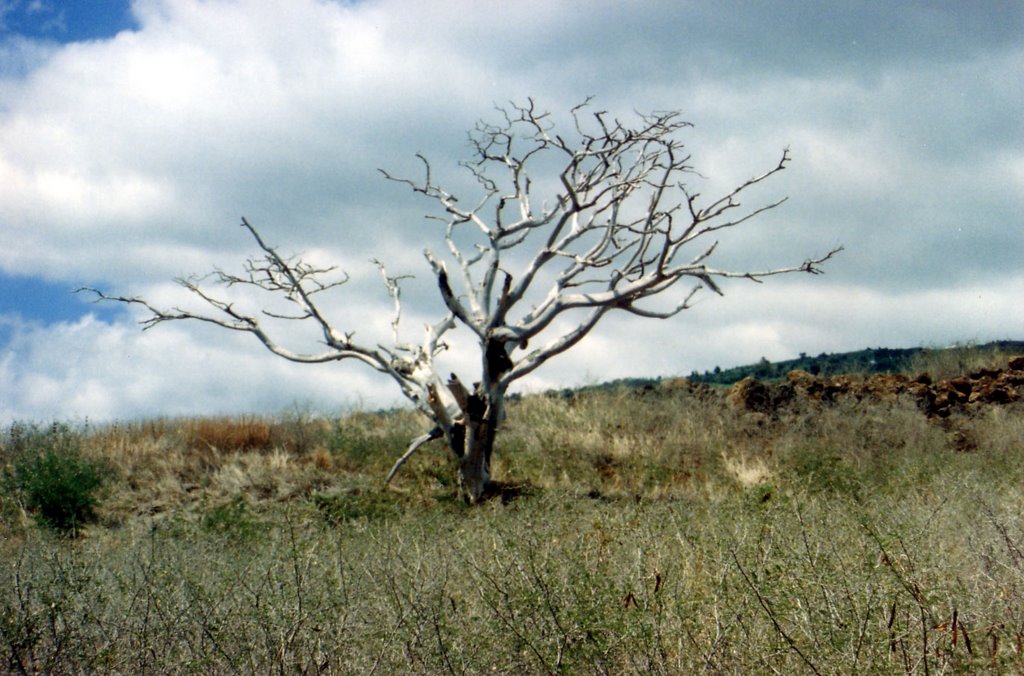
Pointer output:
x,y
821,524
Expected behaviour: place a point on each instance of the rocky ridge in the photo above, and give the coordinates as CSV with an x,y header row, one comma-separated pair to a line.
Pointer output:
x,y
937,399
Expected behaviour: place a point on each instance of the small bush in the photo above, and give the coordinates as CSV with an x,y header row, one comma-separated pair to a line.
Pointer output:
x,y
356,503
234,520
48,473
819,469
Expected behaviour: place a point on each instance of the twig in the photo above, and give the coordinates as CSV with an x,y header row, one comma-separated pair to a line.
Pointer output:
x,y
771,615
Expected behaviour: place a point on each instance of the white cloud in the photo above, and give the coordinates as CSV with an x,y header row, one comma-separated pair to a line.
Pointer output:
x,y
128,161
119,372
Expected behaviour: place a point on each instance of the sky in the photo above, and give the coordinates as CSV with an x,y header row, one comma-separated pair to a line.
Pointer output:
x,y
135,135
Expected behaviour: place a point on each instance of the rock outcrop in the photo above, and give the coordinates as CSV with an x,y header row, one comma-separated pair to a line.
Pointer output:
x,y
997,386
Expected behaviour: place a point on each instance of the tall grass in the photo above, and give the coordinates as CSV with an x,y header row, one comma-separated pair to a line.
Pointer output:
x,y
949,362
656,532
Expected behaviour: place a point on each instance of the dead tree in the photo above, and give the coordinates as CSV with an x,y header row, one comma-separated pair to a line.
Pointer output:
x,y
619,226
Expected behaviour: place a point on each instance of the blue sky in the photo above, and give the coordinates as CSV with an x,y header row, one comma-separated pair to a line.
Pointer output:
x,y
36,299
133,136
65,20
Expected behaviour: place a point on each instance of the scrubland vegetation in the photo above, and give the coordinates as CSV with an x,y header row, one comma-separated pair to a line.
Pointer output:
x,y
660,530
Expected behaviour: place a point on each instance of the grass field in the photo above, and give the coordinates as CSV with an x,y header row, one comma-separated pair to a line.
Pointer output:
x,y
634,532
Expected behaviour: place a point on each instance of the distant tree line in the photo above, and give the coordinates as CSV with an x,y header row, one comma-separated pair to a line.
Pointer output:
x,y
866,361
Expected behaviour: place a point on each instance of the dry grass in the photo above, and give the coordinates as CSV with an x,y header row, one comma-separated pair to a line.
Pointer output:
x,y
229,434
654,532
747,471
620,443
950,362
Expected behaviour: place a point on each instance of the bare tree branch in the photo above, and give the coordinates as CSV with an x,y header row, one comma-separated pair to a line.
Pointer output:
x,y
620,226
435,433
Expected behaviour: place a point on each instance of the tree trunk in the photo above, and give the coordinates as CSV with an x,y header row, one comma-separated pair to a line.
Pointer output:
x,y
482,412
475,464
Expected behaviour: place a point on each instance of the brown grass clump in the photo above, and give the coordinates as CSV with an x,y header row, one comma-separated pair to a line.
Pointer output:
x,y
322,460
229,434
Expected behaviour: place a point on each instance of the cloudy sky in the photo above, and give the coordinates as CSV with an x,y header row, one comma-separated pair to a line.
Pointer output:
x,y
133,137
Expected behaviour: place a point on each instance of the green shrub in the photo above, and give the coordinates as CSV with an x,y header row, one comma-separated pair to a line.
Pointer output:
x,y
356,503
817,468
47,472
234,520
